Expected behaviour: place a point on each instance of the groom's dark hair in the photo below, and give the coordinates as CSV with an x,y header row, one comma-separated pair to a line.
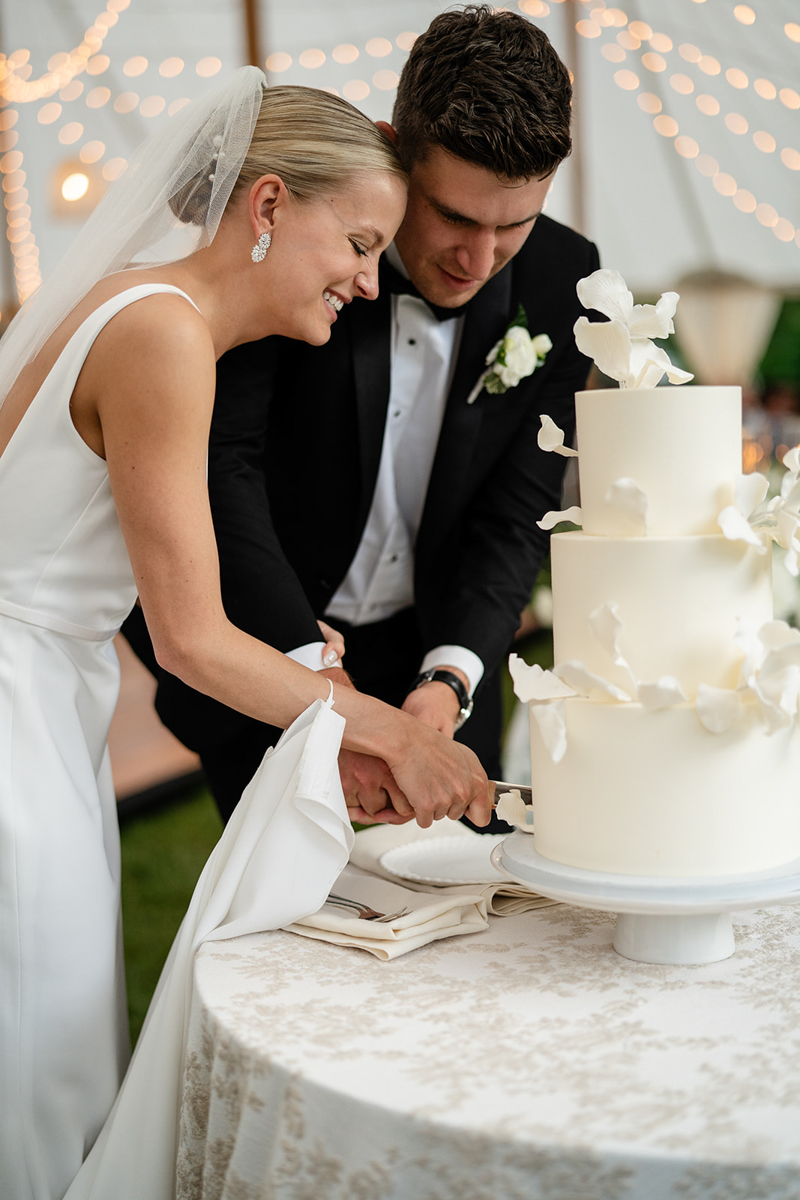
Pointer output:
x,y
489,88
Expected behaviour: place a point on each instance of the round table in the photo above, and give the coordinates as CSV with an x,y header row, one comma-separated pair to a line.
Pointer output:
x,y
529,1061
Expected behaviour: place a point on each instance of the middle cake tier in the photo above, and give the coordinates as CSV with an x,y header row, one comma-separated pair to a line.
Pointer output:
x,y
679,601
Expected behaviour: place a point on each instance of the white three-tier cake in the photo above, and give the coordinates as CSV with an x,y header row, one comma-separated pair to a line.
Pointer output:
x,y
665,741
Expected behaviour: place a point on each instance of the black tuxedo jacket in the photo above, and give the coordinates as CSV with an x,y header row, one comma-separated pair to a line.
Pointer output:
x,y
294,453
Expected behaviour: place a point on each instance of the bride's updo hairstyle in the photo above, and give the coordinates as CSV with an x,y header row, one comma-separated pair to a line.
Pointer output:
x,y
314,141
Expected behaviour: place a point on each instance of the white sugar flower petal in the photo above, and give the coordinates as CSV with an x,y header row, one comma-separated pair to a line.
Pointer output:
x,y
534,685
654,320
717,708
551,438
752,648
606,627
550,519
791,460
790,560
593,687
790,493
678,375
666,692
608,343
750,490
648,362
551,719
737,528
775,635
606,292
786,530
778,696
628,501
513,809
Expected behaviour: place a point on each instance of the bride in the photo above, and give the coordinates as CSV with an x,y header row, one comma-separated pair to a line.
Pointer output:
x,y
108,375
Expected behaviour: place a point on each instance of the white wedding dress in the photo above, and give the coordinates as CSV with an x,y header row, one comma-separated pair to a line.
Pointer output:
x,y
66,585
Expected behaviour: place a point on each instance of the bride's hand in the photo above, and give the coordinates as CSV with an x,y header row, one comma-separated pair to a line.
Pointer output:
x,y
441,778
334,644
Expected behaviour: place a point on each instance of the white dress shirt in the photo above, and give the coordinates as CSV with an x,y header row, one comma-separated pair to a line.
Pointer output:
x,y
380,580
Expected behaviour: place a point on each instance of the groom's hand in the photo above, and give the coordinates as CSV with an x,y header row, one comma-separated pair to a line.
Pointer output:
x,y
436,704
370,792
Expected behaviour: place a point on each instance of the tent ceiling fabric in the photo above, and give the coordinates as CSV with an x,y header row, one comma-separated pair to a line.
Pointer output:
x,y
677,134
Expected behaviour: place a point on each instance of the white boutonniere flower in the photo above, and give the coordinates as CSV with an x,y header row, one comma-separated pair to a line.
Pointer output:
x,y
514,358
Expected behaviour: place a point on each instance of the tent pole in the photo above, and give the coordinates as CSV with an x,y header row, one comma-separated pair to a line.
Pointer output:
x,y
253,33
9,294
577,164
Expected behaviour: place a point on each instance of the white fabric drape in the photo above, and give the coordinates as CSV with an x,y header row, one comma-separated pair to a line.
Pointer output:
x,y
288,840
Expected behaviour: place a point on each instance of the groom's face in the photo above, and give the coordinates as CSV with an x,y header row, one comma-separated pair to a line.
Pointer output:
x,y
463,224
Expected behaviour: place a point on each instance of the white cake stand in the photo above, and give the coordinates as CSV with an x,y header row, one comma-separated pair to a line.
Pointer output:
x,y
672,921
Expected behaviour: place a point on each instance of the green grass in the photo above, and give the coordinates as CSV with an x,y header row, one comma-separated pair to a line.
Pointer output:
x,y
163,852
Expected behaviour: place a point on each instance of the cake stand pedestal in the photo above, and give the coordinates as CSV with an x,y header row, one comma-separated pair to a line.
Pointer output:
x,y
659,920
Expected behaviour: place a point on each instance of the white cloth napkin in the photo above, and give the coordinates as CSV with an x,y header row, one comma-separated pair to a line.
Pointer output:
x,y
421,916
275,863
503,898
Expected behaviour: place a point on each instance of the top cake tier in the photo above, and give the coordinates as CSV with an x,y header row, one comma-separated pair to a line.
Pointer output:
x,y
682,446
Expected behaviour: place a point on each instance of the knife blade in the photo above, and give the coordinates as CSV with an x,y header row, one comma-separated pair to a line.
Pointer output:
x,y
498,788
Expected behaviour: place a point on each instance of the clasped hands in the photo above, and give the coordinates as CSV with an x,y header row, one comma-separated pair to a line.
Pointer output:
x,y
372,793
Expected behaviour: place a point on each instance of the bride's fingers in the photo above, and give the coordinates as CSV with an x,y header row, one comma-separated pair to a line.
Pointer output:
x,y
334,644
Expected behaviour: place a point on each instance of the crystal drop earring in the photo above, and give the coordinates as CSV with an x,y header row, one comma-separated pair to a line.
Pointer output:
x,y
259,251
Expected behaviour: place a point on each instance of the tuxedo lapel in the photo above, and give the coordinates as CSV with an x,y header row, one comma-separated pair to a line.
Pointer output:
x,y
487,319
371,341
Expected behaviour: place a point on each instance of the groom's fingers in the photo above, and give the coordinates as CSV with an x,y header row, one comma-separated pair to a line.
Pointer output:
x,y
368,784
387,816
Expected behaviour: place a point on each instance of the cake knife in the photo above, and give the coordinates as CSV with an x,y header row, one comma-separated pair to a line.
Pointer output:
x,y
498,788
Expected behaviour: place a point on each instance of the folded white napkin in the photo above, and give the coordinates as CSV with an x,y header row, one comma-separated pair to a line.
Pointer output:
x,y
416,917
503,898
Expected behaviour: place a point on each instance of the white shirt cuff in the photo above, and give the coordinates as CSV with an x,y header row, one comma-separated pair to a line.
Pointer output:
x,y
456,656
310,655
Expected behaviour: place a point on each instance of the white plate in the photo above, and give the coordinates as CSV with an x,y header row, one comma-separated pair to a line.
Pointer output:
x,y
452,860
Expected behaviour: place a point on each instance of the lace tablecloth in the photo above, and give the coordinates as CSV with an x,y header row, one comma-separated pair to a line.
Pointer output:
x,y
525,1062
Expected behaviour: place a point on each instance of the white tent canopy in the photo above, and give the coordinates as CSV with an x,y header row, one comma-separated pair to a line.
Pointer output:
x,y
687,151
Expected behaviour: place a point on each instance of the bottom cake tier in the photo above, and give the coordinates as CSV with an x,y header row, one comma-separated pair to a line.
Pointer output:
x,y
654,793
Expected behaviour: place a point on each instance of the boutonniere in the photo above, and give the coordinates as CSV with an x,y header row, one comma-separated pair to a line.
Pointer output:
x,y
515,357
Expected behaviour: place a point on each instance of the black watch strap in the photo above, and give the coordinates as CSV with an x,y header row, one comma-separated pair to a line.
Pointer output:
x,y
436,675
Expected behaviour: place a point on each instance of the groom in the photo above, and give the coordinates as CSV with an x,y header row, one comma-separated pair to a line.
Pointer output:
x,y
365,482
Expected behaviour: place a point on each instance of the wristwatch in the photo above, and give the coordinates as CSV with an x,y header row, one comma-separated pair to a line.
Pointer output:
x,y
435,675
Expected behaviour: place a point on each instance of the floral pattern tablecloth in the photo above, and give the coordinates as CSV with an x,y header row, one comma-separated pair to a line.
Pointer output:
x,y
529,1062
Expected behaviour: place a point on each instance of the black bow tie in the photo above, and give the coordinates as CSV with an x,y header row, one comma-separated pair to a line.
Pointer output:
x,y
399,285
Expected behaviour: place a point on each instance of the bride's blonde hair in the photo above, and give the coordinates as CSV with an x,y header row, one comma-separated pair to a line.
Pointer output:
x,y
314,141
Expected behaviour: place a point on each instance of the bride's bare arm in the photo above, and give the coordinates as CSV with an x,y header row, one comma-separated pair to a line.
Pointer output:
x,y
144,401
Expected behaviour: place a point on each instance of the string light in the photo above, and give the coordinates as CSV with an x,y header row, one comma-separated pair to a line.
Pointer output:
x,y
135,66
17,87
385,81
687,147
312,59
343,54
278,62
355,90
